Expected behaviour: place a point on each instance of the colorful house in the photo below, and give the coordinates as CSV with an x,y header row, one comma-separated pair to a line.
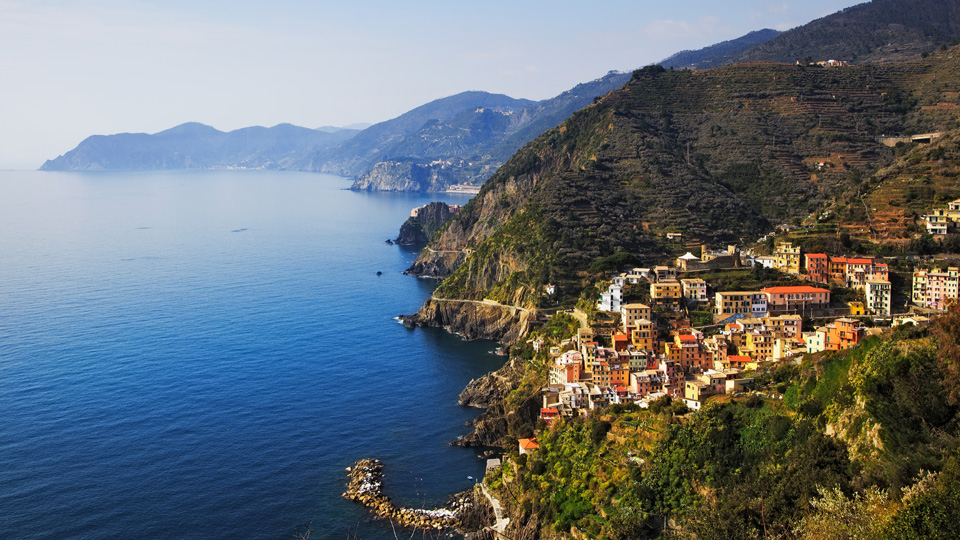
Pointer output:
x,y
797,298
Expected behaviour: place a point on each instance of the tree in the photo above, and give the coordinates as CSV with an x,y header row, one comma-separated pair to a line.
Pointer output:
x,y
836,517
946,328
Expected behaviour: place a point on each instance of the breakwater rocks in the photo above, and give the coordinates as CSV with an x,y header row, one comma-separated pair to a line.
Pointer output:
x,y
365,486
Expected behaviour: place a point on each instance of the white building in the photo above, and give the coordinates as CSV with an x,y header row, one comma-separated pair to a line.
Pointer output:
x,y
612,299
877,293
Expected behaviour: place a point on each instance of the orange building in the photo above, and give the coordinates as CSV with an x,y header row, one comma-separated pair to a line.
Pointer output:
x,y
843,334
619,342
818,267
686,352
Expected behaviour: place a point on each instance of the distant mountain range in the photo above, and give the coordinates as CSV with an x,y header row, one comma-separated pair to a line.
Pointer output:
x,y
457,139
465,138
198,146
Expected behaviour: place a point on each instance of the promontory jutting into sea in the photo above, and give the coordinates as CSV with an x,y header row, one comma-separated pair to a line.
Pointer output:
x,y
716,297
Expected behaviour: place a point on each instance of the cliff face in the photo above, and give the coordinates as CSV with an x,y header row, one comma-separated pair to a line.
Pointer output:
x,y
492,428
404,176
472,320
418,229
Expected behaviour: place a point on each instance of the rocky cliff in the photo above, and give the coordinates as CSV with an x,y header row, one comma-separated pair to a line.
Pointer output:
x,y
420,228
472,320
405,176
492,428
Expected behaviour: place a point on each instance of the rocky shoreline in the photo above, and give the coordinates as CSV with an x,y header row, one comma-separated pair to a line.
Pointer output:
x,y
472,320
466,512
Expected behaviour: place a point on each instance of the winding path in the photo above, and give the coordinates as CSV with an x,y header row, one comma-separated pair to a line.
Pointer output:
x,y
501,524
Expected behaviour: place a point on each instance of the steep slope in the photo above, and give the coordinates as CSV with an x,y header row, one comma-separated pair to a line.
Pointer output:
x,y
469,146
197,146
716,154
719,54
885,208
877,31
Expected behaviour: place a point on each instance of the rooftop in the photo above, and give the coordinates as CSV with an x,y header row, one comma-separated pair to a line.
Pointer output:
x,y
795,289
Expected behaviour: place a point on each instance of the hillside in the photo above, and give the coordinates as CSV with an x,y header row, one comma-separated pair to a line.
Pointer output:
x,y
882,212
719,155
877,31
197,146
855,444
465,146
719,54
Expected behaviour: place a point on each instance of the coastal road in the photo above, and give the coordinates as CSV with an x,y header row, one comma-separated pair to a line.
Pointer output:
x,y
484,302
431,250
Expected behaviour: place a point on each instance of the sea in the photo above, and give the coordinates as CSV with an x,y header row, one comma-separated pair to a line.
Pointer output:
x,y
201,354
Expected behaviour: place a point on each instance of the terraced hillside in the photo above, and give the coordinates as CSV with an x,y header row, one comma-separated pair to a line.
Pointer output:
x,y
872,32
719,155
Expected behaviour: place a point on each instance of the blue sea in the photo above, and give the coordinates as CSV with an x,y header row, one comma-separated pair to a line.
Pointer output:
x,y
201,354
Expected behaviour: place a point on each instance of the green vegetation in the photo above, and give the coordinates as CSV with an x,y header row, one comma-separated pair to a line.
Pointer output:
x,y
720,155
864,444
864,33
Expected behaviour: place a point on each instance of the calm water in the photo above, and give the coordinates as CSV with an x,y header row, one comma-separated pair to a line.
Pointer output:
x,y
199,355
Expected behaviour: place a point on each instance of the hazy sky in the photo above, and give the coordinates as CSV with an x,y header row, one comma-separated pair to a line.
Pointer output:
x,y
69,69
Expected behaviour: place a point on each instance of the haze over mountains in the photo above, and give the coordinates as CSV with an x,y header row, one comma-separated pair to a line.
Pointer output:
x,y
464,138
198,146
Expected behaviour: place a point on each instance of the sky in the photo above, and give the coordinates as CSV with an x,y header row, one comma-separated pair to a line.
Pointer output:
x,y
70,69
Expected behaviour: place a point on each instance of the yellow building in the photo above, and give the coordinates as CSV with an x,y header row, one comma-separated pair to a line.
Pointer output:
x,y
667,292
759,345
643,336
631,313
856,308
787,258
749,303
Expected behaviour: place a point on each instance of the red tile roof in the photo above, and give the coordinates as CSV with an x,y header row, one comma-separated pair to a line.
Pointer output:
x,y
528,444
795,289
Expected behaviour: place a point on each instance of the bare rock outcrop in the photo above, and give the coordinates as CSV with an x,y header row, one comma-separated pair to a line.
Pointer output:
x,y
472,319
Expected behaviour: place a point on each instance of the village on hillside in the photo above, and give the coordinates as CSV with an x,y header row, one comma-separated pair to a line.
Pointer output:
x,y
689,341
